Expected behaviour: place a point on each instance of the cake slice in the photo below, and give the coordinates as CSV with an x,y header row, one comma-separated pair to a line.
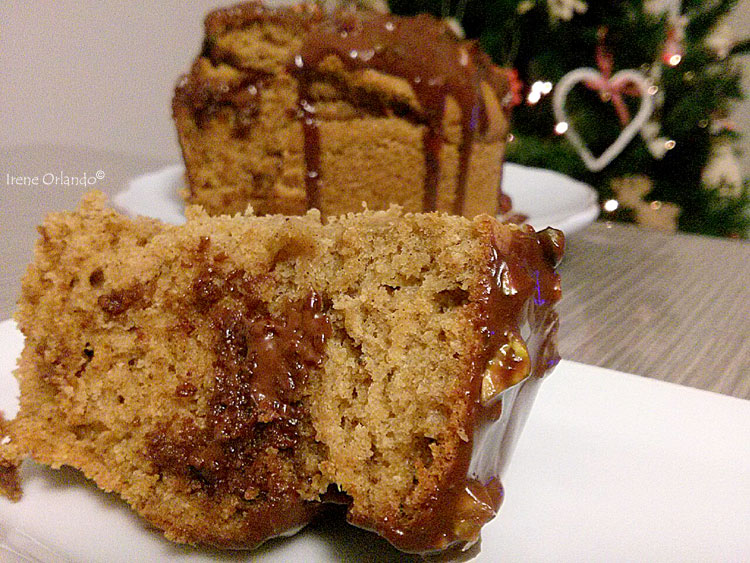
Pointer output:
x,y
230,376
291,108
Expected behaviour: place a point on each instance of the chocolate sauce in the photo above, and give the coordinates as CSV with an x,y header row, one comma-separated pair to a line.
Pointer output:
x,y
504,205
311,147
421,50
523,273
521,288
245,444
118,301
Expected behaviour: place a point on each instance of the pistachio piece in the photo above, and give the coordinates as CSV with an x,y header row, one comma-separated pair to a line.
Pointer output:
x,y
474,508
508,366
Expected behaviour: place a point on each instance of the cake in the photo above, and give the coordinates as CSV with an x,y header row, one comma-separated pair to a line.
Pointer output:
x,y
230,377
288,109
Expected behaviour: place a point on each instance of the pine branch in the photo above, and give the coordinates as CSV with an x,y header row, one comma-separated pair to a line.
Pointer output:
x,y
741,48
695,92
703,20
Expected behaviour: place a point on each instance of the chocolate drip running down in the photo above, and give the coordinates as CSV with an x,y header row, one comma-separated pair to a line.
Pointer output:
x,y
522,288
421,50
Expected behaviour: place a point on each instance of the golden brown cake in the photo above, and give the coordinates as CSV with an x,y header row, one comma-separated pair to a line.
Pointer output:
x,y
288,109
230,376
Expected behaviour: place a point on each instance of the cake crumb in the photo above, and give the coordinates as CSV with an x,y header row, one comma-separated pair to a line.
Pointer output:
x,y
10,483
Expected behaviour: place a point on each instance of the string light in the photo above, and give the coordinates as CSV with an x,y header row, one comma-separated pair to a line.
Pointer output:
x,y
561,128
669,145
538,89
674,60
611,205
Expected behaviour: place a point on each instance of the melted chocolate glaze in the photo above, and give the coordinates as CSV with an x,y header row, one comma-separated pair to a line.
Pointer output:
x,y
421,50
521,288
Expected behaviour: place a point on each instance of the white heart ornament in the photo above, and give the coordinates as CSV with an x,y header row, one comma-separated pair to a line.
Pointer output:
x,y
574,77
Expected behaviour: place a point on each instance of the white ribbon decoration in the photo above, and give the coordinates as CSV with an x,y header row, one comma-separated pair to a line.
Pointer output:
x,y
579,75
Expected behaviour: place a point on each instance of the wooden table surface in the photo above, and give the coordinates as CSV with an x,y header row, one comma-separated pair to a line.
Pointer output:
x,y
671,307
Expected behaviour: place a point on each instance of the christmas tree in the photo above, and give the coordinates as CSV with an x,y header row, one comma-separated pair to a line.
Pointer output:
x,y
678,169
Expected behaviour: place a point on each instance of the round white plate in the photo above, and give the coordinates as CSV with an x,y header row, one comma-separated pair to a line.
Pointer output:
x,y
610,467
548,198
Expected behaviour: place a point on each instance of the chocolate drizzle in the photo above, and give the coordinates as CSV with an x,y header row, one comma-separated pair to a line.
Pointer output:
x,y
311,139
525,288
421,50
522,290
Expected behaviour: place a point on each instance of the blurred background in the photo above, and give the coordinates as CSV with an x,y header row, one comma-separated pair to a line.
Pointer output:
x,y
100,74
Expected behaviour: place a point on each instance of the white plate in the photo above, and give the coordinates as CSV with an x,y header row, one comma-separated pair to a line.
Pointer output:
x,y
548,198
610,467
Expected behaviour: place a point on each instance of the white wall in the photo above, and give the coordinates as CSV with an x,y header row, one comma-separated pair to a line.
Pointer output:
x,y
96,73
100,73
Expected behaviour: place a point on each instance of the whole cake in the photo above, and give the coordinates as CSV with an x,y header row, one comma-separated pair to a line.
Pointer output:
x,y
229,377
288,109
